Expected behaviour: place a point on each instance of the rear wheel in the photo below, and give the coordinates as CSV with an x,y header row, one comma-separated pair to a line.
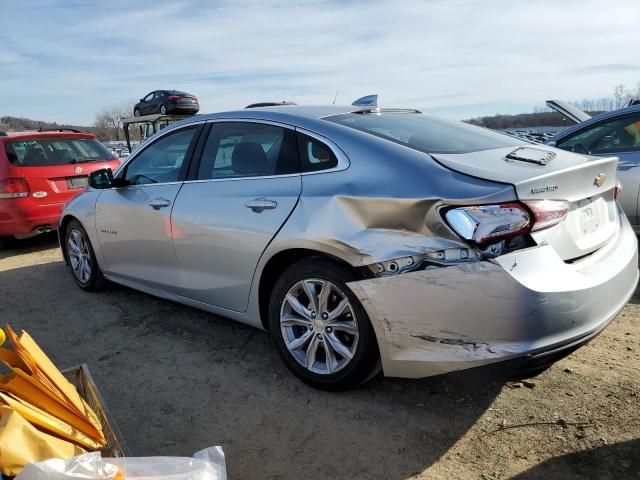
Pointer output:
x,y
163,109
82,259
136,112
320,329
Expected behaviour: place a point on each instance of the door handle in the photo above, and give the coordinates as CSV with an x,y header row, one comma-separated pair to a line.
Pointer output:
x,y
158,203
261,204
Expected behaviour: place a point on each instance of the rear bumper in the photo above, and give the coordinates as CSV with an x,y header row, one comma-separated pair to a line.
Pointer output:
x,y
522,305
184,108
19,217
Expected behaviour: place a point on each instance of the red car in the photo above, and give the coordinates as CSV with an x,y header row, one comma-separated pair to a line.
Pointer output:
x,y
40,172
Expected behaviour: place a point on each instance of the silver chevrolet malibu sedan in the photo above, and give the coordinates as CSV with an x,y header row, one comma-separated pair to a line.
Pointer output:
x,y
364,239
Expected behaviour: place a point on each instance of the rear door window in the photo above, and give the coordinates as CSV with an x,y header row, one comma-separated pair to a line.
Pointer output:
x,y
248,149
55,151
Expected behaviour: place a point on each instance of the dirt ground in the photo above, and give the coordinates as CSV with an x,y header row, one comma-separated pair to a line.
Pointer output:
x,y
178,380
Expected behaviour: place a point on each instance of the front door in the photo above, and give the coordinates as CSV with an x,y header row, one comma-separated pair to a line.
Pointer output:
x,y
248,183
133,222
147,106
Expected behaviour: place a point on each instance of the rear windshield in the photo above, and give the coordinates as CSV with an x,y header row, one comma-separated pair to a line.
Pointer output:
x,y
426,133
55,151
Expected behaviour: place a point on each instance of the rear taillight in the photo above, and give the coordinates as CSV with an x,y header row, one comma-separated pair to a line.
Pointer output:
x,y
14,188
618,190
484,223
547,213
195,99
173,97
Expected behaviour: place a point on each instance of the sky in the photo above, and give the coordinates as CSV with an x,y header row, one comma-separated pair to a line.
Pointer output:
x,y
64,60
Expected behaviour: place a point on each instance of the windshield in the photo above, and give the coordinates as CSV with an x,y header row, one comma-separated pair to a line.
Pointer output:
x,y
55,151
425,133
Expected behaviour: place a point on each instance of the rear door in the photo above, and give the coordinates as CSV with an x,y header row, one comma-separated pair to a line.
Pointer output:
x,y
246,186
133,223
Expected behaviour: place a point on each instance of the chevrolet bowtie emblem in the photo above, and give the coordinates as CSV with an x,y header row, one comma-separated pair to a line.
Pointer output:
x,y
599,180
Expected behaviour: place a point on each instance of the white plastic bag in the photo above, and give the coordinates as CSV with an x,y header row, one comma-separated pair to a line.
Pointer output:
x,y
207,464
86,466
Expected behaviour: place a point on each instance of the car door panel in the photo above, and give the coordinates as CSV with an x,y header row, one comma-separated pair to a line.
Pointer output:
x,y
246,184
135,236
147,107
219,239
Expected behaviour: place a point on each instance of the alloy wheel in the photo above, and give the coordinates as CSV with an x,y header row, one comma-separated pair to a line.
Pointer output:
x,y
318,326
79,256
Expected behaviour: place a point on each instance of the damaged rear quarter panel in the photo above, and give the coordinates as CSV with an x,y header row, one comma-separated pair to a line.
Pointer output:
x,y
384,206
433,316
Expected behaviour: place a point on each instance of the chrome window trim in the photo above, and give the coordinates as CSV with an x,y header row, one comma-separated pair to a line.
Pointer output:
x,y
343,160
143,185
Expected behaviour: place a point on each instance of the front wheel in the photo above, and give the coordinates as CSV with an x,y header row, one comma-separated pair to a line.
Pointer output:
x,y
82,259
136,112
320,329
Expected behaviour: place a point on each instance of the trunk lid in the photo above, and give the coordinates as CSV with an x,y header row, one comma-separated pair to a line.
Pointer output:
x,y
539,173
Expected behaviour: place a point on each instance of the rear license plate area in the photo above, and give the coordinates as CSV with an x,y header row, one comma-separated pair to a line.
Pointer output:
x,y
590,219
74,183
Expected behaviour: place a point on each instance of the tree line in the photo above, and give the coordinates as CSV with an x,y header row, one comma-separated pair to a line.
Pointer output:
x,y
17,124
546,117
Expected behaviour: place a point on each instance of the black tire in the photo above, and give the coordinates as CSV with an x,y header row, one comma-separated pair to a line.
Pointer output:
x,y
136,112
3,242
163,109
365,362
95,281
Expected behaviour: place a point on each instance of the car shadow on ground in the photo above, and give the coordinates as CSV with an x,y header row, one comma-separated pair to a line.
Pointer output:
x,y
177,380
13,247
618,460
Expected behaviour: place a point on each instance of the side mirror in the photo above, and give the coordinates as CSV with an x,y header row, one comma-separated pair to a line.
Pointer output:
x,y
142,99
101,179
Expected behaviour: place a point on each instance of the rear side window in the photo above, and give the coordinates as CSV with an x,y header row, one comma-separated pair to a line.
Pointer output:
x,y
248,149
425,133
315,155
55,151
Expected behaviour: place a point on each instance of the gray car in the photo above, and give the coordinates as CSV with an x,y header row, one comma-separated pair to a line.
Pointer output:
x,y
364,239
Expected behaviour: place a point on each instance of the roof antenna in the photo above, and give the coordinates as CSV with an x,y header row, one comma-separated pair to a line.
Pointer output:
x,y
335,98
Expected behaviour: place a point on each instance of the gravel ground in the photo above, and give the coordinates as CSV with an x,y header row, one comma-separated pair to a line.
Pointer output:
x,y
178,380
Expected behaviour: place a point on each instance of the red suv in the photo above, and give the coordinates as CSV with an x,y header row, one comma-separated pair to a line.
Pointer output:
x,y
39,172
